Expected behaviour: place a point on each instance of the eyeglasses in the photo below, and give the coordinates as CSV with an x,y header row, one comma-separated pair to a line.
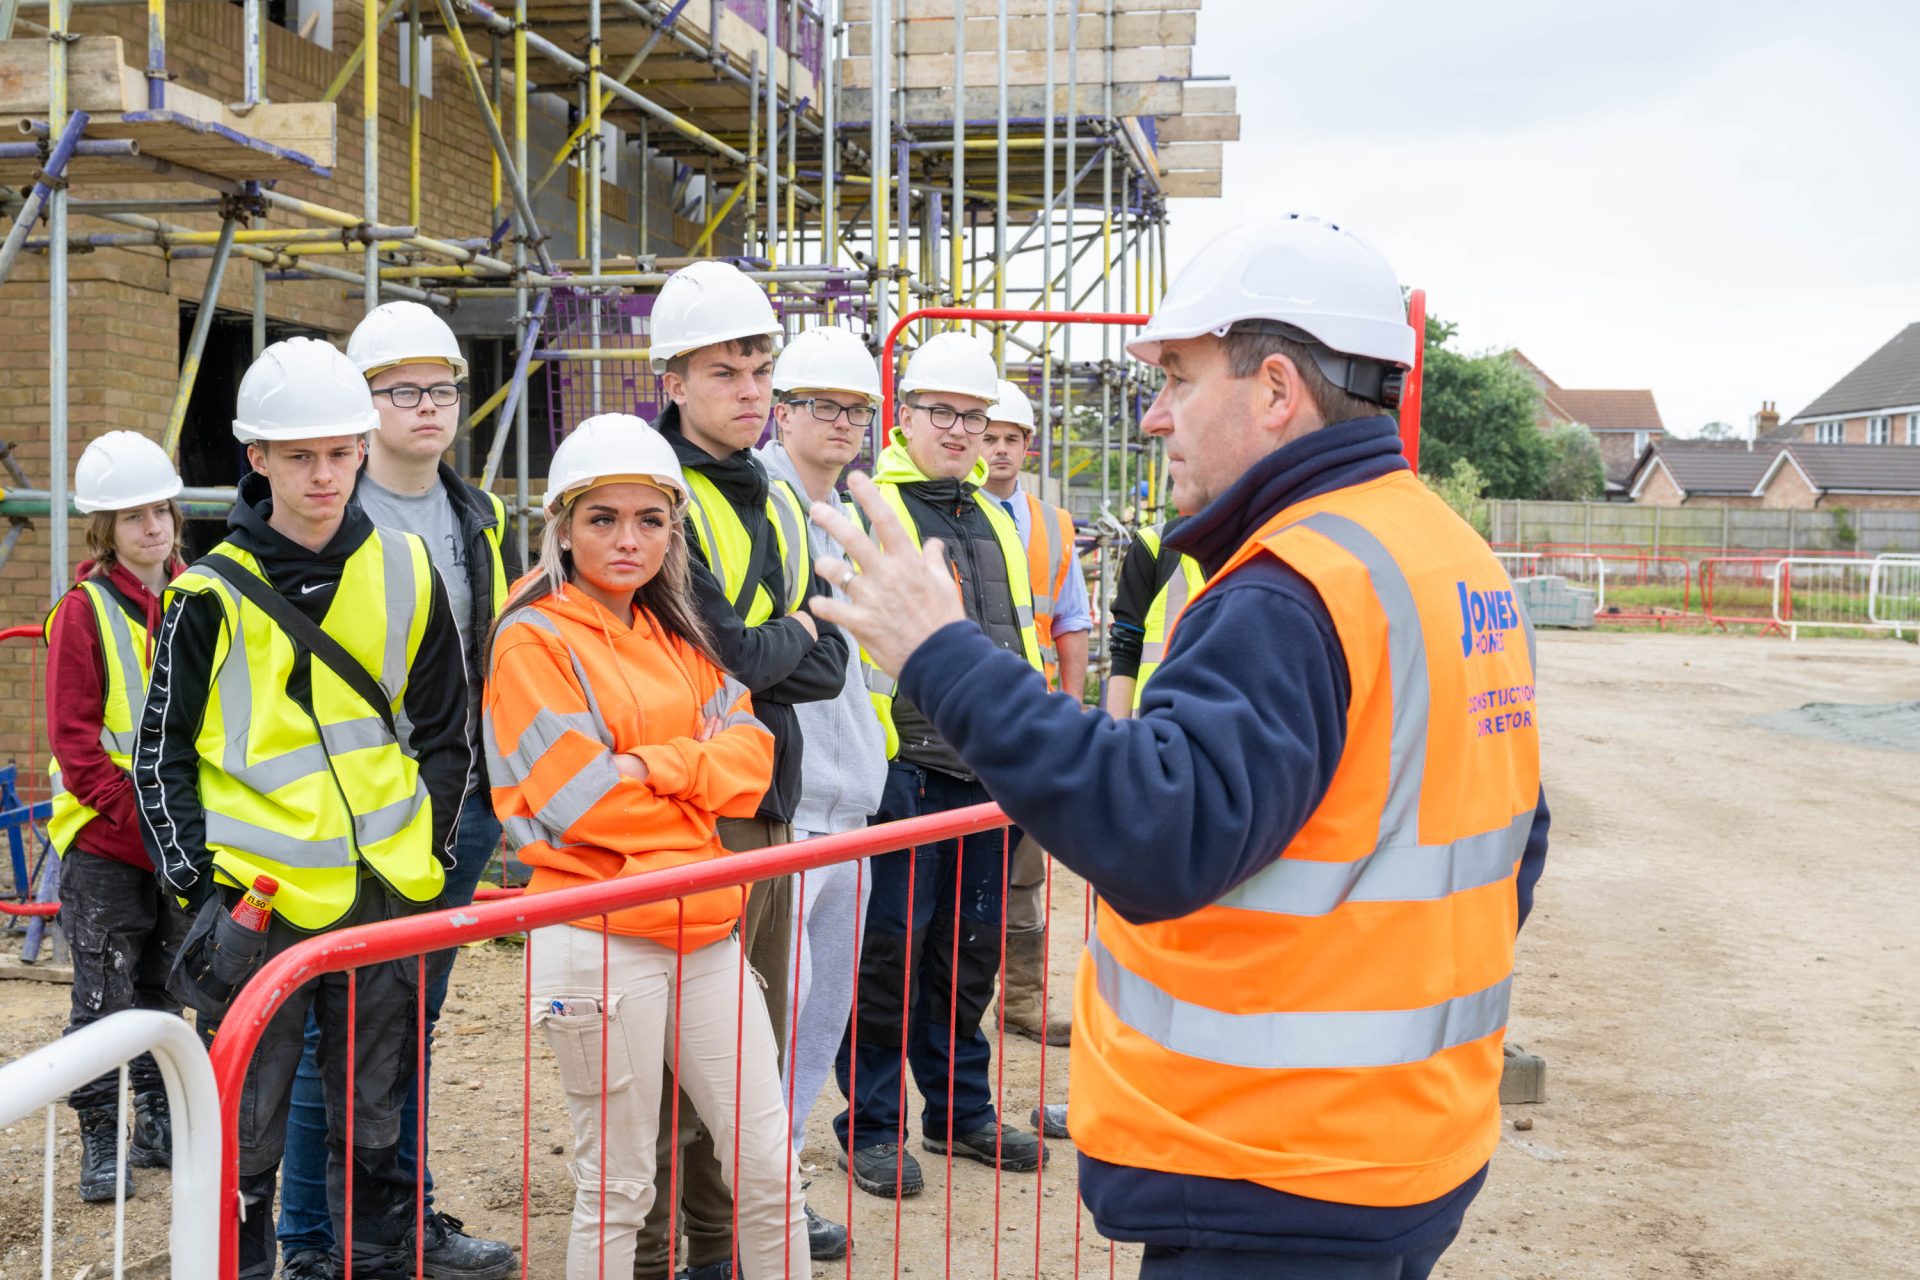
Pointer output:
x,y
944,416
858,415
405,396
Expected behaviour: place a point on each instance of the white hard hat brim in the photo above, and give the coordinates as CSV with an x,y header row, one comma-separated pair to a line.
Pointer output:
x,y
170,490
248,434
1348,335
457,363
668,485
660,353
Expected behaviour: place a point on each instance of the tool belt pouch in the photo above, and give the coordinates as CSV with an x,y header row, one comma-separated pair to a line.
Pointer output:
x,y
215,961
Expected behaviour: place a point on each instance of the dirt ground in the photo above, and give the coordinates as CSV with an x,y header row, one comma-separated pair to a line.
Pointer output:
x,y
1719,971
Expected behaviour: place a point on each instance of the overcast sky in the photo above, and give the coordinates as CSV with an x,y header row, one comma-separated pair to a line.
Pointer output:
x,y
1716,200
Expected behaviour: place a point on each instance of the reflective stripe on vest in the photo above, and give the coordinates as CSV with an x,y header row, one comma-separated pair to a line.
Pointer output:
x,y
1165,610
881,687
123,651
727,545
1281,1041
1049,561
307,796
1270,1036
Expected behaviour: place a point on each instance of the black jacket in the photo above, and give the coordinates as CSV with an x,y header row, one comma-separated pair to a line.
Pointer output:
x,y
476,515
166,767
777,660
1143,576
947,510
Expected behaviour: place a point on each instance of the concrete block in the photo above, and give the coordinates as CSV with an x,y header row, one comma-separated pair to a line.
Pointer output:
x,y
1523,1076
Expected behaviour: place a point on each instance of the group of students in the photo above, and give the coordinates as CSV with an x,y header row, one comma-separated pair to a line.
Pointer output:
x,y
315,699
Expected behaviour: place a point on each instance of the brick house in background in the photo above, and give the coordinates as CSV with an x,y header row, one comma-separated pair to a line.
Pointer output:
x,y
1701,473
1820,477
1878,403
1624,422
1777,475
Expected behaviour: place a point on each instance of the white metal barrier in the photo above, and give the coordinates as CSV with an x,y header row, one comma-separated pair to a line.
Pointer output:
x,y
49,1073
1881,594
1893,595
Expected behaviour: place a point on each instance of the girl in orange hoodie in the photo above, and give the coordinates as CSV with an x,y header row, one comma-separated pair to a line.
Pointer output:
x,y
613,744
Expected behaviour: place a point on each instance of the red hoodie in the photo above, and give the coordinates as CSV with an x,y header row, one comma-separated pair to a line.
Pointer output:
x,y
76,701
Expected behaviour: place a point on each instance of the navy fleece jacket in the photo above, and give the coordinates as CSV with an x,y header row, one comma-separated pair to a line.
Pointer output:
x,y
1164,813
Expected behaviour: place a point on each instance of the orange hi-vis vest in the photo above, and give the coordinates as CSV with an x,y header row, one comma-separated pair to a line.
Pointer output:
x,y
1331,1027
1050,553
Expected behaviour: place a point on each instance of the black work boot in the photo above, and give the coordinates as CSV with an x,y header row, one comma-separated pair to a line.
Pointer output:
x,y
884,1169
826,1240
99,1153
1008,1149
452,1254
152,1133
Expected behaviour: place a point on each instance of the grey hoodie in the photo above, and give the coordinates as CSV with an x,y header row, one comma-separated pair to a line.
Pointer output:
x,y
843,763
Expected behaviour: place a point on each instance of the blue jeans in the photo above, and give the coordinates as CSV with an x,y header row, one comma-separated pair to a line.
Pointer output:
x,y
305,1222
1160,1263
959,887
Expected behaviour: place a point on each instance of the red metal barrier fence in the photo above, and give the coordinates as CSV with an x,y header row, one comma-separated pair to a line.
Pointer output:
x,y
416,937
1738,591
31,790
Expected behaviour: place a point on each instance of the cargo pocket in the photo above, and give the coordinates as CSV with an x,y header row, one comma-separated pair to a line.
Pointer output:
x,y
574,1029
102,976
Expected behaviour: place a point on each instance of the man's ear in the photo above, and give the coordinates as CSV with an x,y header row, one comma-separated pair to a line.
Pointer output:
x,y
1281,399
256,456
675,386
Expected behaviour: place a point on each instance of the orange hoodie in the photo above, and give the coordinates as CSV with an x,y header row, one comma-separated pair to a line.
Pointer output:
x,y
572,685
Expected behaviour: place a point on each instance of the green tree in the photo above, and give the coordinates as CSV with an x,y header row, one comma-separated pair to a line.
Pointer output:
x,y
1483,409
1715,431
1463,488
1575,470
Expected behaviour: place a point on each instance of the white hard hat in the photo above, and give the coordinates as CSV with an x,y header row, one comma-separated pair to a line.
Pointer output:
x,y
1300,271
954,362
1012,405
302,389
827,358
705,303
396,333
123,469
611,448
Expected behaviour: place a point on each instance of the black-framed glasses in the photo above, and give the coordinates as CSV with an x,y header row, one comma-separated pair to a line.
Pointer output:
x,y
944,416
858,415
406,396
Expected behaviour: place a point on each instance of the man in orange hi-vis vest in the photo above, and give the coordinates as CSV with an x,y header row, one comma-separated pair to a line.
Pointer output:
x,y
1316,840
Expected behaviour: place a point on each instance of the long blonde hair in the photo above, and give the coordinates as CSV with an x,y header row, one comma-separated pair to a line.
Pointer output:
x,y
667,595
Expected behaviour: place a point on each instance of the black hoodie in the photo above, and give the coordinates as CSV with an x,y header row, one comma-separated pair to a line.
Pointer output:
x,y
777,660
166,767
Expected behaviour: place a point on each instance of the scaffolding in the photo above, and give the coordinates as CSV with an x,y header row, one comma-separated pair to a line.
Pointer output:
x,y
862,158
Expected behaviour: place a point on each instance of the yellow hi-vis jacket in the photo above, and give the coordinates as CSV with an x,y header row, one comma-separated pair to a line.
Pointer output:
x,y
897,469
728,546
123,644
1164,611
308,798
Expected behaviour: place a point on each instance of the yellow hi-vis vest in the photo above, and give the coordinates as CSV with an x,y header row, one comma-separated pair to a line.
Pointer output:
x,y
1164,611
496,535
727,545
307,798
123,643
882,687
